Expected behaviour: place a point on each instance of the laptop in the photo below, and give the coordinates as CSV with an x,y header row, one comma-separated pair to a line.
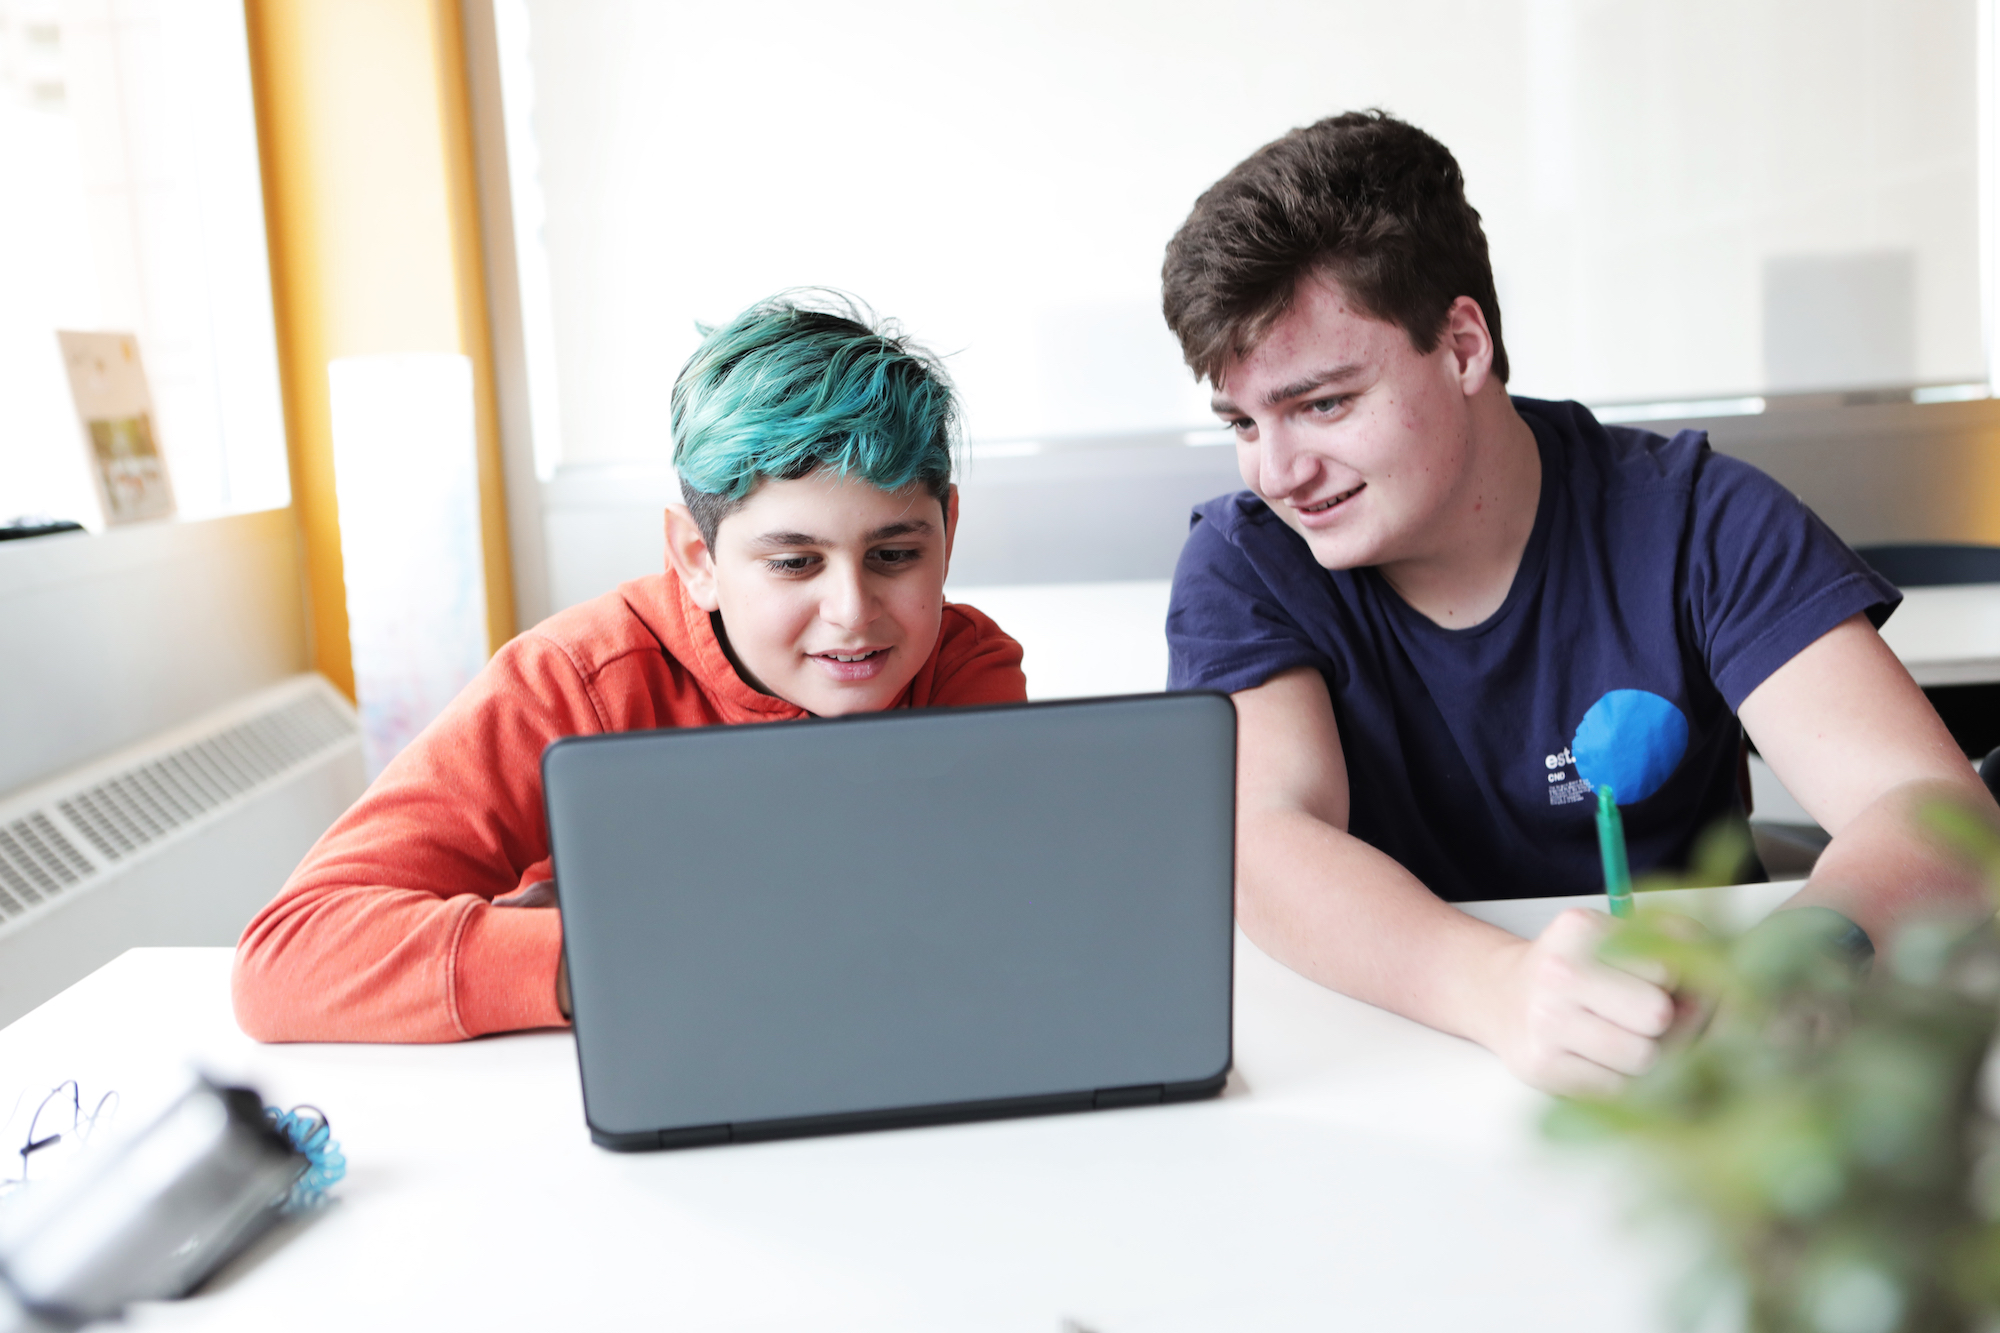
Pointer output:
x,y
901,918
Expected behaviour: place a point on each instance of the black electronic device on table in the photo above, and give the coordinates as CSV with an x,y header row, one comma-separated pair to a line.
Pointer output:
x,y
899,918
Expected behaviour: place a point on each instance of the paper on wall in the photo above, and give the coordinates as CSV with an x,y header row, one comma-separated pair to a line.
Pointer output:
x,y
108,383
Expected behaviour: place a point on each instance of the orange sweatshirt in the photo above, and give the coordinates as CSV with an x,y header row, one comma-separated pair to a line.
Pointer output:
x,y
388,931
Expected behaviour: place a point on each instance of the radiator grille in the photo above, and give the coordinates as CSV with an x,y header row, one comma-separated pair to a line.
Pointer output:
x,y
122,814
36,862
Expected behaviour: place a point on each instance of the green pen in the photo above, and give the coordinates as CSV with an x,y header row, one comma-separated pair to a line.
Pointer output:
x,y
1611,847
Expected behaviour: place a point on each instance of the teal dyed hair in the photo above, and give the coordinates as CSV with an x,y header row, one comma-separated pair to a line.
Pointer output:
x,y
803,381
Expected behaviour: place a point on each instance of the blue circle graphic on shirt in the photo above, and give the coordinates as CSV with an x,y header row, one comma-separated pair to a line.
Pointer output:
x,y
1630,741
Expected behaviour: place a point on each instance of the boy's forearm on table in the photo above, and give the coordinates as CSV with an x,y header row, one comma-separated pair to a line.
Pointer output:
x,y
1889,866
1348,916
328,962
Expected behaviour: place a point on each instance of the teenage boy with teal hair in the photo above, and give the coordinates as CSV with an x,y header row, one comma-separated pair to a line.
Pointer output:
x,y
805,577
1448,617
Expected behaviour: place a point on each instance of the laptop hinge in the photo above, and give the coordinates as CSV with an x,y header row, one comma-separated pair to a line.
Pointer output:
x,y
1139,1094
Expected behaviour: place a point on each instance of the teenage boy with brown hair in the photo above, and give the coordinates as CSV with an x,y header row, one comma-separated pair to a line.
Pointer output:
x,y
1447,616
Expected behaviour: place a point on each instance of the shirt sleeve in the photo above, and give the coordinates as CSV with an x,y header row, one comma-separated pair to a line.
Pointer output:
x,y
1226,628
387,930
1766,577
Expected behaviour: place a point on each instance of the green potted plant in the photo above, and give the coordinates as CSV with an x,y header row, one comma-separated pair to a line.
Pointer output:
x,y
1824,1131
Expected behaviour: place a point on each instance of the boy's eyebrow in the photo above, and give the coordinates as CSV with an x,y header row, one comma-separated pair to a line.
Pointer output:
x,y
1222,407
908,527
772,541
775,541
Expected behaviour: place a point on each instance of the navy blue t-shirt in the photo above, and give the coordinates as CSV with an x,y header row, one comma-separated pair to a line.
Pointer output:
x,y
1662,583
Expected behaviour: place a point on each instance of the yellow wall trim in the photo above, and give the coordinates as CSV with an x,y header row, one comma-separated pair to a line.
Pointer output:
x,y
364,134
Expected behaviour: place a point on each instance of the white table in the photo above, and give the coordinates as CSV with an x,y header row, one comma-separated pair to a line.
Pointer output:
x,y
1948,636
1360,1172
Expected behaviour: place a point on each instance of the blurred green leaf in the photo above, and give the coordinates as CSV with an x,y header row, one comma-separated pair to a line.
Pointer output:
x,y
1966,831
1824,1131
1722,855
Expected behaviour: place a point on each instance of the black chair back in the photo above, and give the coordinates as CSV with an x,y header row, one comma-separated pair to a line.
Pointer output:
x,y
1933,564
1970,712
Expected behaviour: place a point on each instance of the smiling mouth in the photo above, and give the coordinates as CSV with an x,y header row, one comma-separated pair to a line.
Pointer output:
x,y
853,667
1341,498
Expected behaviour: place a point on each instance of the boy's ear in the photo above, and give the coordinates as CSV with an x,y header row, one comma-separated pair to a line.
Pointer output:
x,y
689,555
1471,344
950,522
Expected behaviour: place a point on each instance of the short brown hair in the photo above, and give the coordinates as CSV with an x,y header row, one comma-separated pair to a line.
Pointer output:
x,y
1363,198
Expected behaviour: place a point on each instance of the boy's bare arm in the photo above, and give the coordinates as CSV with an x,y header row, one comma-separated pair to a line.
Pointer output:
x,y
1852,737
1337,910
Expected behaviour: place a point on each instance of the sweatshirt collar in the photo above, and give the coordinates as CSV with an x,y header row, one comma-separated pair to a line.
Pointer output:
x,y
701,652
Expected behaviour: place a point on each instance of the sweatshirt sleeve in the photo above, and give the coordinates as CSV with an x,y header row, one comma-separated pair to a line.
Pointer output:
x,y
975,662
387,930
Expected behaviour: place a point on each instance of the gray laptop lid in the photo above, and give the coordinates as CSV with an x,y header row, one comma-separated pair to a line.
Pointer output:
x,y
785,923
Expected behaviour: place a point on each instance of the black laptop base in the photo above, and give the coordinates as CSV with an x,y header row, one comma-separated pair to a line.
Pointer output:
x,y
1062,1103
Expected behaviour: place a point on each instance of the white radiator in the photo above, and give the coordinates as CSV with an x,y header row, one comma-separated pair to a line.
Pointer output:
x,y
176,841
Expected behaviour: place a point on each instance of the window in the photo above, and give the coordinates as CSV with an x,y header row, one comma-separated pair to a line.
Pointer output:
x,y
128,159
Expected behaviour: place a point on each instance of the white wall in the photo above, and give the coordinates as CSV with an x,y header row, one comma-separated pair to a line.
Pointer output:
x,y
110,638
1689,201
1657,180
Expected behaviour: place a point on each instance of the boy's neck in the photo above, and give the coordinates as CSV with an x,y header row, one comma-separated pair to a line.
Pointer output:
x,y
1464,577
742,672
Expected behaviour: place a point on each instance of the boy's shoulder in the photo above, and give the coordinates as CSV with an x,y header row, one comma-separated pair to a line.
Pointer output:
x,y
973,662
965,628
1240,518
1616,456
641,617
643,655
1623,474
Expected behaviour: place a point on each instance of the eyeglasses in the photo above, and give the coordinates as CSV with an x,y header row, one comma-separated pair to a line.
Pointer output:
x,y
58,1127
